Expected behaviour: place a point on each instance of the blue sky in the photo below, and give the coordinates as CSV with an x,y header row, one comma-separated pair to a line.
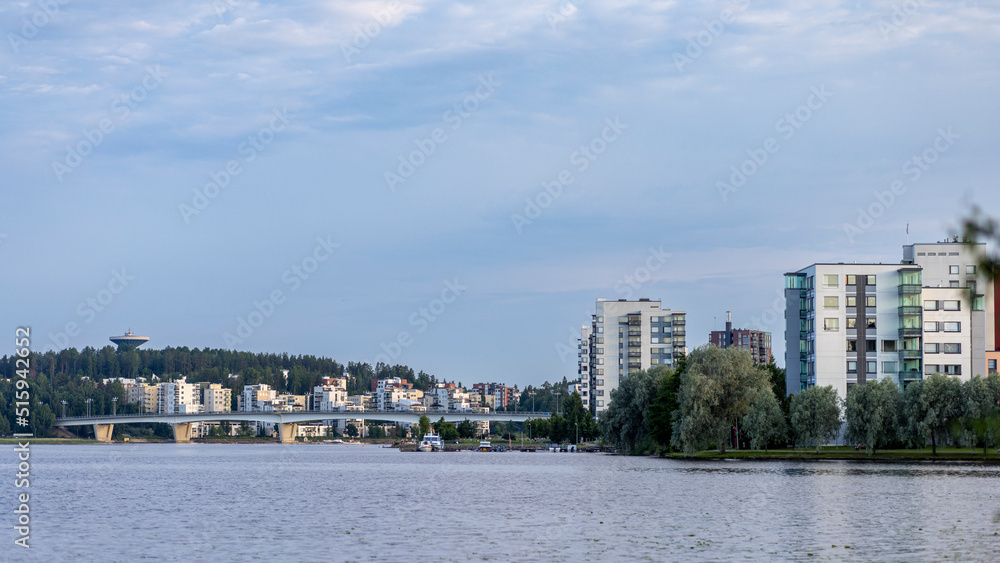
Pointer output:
x,y
178,166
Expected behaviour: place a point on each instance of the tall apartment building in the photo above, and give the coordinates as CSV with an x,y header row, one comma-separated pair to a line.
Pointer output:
x,y
330,396
503,396
216,398
626,336
757,342
257,398
179,397
850,323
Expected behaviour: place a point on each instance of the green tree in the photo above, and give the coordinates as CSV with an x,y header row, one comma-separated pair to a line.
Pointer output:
x,y
661,410
764,421
623,423
873,412
352,430
716,390
815,415
929,406
466,429
425,425
446,430
980,404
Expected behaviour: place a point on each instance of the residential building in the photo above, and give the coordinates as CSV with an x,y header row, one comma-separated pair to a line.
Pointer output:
x,y
581,386
757,342
179,397
330,396
503,396
216,398
258,397
626,336
850,323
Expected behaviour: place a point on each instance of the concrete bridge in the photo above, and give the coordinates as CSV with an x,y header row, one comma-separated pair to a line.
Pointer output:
x,y
286,422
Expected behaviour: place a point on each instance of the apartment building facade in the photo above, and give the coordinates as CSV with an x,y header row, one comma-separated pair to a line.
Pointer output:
x,y
757,342
847,323
626,336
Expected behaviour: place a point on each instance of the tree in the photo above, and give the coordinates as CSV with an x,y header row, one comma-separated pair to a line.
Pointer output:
x,y
873,412
466,429
979,425
716,390
623,423
661,410
764,421
446,430
928,407
352,430
425,425
815,415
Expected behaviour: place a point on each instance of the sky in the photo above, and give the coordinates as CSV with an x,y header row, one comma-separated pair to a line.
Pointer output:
x,y
450,185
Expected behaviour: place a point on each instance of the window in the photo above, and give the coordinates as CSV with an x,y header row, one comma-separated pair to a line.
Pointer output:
x,y
600,361
889,367
830,302
888,345
600,371
600,330
953,270
852,279
599,392
952,370
870,301
654,361
871,367
655,340
952,305
852,345
852,367
931,369
654,319
831,324
952,348
954,283
655,329
829,280
852,301
992,365
600,403
931,348
871,279
871,346
600,382
977,303
600,340
930,305
971,284
952,327
971,270
930,326
600,350
600,319
852,322
666,340
870,322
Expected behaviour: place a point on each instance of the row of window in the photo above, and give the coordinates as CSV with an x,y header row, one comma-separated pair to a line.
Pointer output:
x,y
954,270
931,305
832,324
833,302
945,369
935,348
947,326
832,280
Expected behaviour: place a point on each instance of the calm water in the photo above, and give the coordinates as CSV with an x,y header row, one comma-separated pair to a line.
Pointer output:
x,y
268,502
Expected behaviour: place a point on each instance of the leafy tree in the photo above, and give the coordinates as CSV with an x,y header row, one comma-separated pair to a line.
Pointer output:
x,y
716,390
624,422
425,425
873,412
661,410
446,430
928,407
352,430
764,421
979,425
815,415
466,429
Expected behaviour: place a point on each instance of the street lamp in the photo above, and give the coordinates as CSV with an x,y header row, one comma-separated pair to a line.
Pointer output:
x,y
114,406
577,433
88,401
64,407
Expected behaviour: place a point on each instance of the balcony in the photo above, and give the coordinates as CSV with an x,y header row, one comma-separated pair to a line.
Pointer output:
x,y
634,365
634,342
803,313
632,332
910,375
910,310
910,332
910,354
909,289
635,354
634,320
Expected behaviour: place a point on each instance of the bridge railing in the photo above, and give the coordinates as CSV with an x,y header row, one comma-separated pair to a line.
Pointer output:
x,y
339,413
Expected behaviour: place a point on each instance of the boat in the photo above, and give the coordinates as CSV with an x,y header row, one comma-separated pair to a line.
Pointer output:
x,y
431,443
485,446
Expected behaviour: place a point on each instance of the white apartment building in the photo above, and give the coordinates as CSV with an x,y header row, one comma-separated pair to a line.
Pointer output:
x,y
216,398
330,397
258,397
850,323
179,397
626,336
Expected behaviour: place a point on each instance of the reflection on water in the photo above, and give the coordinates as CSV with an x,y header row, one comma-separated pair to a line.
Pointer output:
x,y
195,502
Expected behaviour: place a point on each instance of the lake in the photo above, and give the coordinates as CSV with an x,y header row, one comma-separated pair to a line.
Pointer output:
x,y
331,502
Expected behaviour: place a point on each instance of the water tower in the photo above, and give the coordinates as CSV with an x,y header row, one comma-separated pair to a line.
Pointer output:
x,y
129,341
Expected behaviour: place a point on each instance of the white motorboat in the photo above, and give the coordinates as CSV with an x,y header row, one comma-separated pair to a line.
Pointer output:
x,y
431,443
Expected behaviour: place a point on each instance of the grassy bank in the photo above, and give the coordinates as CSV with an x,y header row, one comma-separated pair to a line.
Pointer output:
x,y
849,453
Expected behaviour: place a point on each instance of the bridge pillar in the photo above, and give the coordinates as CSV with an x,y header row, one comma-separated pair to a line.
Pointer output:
x,y
287,432
182,432
103,432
